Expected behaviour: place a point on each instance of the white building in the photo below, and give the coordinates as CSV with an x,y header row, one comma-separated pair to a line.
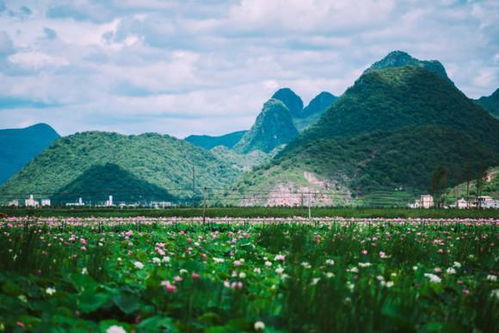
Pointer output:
x,y
461,203
78,203
45,202
487,202
31,202
109,202
426,201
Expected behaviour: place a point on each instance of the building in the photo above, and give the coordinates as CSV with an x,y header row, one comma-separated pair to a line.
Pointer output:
x,y
161,204
487,202
461,203
109,202
13,203
31,202
426,201
76,204
45,202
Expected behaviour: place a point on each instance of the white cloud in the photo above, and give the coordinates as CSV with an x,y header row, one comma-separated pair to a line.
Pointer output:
x,y
36,60
193,66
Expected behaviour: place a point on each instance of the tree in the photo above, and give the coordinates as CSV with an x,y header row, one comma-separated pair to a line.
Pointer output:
x,y
439,181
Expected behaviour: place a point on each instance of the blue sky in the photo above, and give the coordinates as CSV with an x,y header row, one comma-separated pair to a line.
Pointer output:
x,y
207,66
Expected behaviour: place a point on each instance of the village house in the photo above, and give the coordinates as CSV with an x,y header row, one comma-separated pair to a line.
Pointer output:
x,y
31,202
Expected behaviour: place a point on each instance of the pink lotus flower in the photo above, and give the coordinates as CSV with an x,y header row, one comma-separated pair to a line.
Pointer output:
x,y
437,270
195,276
83,241
364,252
171,288
466,291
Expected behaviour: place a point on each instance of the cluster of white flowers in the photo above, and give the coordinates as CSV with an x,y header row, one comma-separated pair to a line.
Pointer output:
x,y
315,281
268,263
115,329
306,265
433,278
279,270
257,270
330,262
50,291
450,270
259,326
494,293
350,286
456,264
138,265
156,260
218,260
364,264
353,270
329,275
387,284
492,277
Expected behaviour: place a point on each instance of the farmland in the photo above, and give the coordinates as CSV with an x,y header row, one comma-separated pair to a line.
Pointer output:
x,y
235,275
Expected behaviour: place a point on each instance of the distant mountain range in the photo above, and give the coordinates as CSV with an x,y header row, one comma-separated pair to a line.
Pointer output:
x,y
402,125
19,146
143,167
208,142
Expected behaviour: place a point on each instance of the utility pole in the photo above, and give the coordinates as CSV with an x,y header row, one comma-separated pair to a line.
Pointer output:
x,y
309,210
193,180
204,205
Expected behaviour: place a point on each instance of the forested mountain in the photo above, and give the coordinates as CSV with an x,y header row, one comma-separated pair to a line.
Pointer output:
x,y
19,146
490,103
208,142
400,59
148,161
389,132
273,127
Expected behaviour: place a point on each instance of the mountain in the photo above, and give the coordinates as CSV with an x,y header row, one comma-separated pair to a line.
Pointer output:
x,y
292,101
273,127
19,146
385,136
490,103
208,142
400,59
313,111
100,181
398,97
160,160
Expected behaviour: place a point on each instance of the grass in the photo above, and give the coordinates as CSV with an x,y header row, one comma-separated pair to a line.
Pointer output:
x,y
255,212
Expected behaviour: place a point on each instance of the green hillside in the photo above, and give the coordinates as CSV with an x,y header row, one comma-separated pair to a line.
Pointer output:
x,y
100,181
160,160
19,146
398,97
208,142
273,127
490,103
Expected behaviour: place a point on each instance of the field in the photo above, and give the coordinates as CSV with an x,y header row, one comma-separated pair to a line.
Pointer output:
x,y
244,275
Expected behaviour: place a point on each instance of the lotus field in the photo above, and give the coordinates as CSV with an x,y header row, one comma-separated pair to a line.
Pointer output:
x,y
247,275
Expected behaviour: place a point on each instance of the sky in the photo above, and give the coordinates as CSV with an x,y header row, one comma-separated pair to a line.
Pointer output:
x,y
183,67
